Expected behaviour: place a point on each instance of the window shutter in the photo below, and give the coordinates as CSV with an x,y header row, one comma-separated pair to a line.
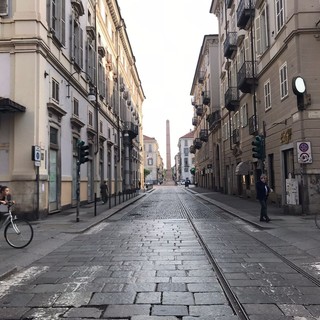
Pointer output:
x,y
63,23
4,8
258,35
80,47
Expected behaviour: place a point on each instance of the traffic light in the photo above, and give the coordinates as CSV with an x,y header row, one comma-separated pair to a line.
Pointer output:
x,y
83,152
258,150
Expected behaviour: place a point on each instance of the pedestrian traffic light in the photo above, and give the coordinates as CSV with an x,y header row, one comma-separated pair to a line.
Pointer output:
x,y
258,150
83,152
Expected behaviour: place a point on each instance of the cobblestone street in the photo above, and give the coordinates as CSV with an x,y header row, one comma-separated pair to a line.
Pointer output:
x,y
146,262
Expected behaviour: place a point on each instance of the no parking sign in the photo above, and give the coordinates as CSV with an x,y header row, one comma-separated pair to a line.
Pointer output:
x,y
304,152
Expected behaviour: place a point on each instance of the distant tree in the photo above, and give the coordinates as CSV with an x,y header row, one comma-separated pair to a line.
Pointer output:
x,y
146,173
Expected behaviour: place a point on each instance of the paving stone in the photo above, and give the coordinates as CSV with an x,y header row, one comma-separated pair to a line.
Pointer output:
x,y
43,299
75,299
180,287
204,287
165,310
153,318
294,310
13,313
127,310
105,298
210,298
16,300
140,287
148,297
45,313
211,310
177,298
263,309
92,313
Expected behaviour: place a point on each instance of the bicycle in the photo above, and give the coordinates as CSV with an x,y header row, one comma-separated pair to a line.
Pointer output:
x,y
18,232
317,219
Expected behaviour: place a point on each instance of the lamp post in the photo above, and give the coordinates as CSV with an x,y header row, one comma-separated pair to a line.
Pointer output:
x,y
81,149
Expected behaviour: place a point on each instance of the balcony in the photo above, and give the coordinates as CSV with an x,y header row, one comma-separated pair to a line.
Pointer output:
x,y
197,143
214,119
231,98
199,111
229,3
131,129
230,45
194,121
204,135
245,12
192,149
206,97
246,77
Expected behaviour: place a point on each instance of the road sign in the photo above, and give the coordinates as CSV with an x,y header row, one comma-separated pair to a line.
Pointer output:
x,y
36,153
304,152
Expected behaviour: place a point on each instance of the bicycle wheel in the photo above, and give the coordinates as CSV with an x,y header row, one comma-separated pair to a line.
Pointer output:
x,y
19,233
317,220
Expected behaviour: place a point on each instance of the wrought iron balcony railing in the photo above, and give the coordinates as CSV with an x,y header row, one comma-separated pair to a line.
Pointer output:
x,y
230,45
231,98
246,76
245,12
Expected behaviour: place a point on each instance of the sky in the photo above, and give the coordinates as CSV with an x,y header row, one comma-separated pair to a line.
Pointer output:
x,y
166,38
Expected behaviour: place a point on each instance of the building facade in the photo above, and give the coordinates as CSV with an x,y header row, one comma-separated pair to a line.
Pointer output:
x,y
205,93
186,158
68,75
264,46
153,161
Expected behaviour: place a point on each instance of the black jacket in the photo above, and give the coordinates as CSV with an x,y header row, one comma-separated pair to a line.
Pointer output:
x,y
261,190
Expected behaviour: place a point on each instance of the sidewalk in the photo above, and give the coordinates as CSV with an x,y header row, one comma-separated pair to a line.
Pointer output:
x,y
297,230
52,232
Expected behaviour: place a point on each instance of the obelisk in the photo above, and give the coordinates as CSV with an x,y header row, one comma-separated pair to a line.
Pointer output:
x,y
168,152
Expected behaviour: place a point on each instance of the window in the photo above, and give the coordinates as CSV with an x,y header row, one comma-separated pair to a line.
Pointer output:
x,y
186,143
283,74
90,119
261,24
4,8
279,14
75,107
77,43
56,17
186,151
101,126
186,162
267,95
150,161
55,90
53,136
150,148
236,120
244,115
91,61
101,78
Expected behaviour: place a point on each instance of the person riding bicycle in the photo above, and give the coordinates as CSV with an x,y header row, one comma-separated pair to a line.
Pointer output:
x,y
5,198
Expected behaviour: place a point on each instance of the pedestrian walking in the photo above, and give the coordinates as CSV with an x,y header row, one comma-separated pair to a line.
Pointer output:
x,y
263,191
104,192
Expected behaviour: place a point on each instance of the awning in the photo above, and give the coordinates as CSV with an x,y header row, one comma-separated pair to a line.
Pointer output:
x,y
243,168
8,105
